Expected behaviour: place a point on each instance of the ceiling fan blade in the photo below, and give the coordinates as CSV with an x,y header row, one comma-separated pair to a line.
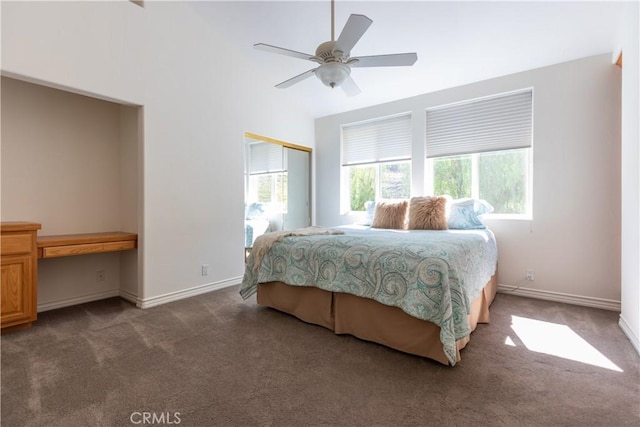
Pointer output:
x,y
350,87
296,79
354,29
282,51
392,60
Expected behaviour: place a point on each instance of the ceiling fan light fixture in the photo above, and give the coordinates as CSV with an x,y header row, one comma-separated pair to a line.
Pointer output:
x,y
333,74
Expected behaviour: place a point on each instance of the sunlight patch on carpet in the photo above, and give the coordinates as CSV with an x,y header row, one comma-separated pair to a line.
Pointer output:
x,y
557,340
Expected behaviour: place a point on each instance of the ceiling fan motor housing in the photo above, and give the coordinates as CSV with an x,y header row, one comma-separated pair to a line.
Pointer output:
x,y
327,53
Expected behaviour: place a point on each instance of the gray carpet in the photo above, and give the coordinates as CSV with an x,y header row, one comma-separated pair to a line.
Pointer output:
x,y
215,360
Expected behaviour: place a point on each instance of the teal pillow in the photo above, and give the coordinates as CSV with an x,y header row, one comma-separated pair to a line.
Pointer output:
x,y
464,214
370,207
255,211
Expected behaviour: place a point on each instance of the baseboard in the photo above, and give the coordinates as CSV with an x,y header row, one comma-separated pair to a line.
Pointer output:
x,y
635,340
66,302
605,304
129,296
133,298
178,295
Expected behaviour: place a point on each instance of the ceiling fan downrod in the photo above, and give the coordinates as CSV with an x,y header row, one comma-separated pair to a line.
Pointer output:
x,y
333,17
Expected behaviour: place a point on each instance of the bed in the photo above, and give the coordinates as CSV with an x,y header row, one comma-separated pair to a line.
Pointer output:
x,y
418,291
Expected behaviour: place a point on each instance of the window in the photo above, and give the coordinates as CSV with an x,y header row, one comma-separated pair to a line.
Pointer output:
x,y
376,161
499,177
269,188
482,149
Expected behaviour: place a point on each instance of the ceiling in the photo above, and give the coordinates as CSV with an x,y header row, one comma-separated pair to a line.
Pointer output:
x,y
457,42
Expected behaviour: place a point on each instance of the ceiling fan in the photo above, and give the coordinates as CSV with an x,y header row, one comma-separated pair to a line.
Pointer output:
x,y
334,56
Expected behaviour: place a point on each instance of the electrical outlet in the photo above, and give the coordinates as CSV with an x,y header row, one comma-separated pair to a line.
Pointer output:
x,y
100,276
530,275
204,269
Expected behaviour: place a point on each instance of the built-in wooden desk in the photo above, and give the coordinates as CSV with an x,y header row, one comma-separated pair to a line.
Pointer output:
x,y
82,244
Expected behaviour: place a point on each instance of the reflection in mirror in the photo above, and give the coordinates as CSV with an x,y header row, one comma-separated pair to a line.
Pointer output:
x,y
277,187
265,189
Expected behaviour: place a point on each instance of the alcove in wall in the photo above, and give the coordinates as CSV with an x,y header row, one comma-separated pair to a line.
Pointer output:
x,y
71,162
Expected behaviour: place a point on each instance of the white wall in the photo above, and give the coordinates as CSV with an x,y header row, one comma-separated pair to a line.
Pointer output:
x,y
131,197
630,316
95,47
198,100
199,103
573,240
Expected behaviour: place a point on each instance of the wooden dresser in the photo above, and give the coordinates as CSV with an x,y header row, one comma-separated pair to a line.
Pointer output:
x,y
19,259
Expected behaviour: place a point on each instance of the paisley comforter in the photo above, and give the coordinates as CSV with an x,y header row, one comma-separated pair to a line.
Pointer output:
x,y
431,275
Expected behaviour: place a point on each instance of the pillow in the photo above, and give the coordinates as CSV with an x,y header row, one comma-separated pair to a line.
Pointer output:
x,y
390,214
464,213
428,213
370,207
255,210
482,207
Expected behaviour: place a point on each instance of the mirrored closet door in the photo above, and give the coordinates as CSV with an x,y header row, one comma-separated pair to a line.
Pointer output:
x,y
277,187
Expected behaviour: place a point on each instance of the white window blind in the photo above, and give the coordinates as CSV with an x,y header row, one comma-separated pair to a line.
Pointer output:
x,y
377,141
491,124
266,158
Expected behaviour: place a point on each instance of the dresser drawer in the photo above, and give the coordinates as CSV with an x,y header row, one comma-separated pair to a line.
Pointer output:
x,y
16,243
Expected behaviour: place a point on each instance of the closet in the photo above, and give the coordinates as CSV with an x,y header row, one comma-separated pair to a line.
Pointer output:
x,y
277,186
